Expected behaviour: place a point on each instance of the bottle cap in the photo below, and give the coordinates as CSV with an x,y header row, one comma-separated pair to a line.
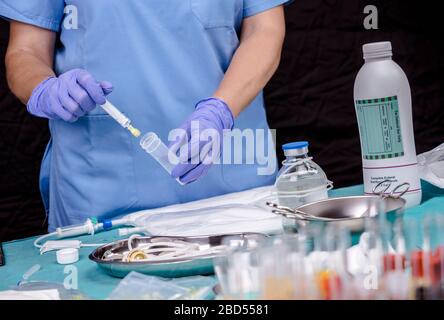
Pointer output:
x,y
377,50
295,148
67,256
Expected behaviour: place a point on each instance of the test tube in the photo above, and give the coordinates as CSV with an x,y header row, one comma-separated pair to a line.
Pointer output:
x,y
434,244
419,253
367,280
152,144
320,263
238,270
396,278
278,268
338,282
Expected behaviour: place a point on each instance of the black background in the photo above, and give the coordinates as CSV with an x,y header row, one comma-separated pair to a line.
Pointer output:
x,y
310,97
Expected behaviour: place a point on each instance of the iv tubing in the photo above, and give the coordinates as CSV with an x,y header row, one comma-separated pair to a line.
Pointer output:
x,y
87,228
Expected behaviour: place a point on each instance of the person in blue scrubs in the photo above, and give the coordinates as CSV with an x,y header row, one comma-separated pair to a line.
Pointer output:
x,y
165,64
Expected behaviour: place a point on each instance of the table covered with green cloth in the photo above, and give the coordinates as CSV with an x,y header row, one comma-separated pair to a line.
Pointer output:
x,y
20,255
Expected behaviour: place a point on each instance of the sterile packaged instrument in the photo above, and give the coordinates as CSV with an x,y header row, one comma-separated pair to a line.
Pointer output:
x,y
300,180
233,218
384,111
237,212
431,166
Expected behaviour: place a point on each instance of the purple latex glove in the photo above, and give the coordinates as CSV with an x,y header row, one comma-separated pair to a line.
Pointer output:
x,y
212,114
69,96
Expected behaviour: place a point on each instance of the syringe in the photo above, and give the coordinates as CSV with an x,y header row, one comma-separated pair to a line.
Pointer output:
x,y
150,142
123,120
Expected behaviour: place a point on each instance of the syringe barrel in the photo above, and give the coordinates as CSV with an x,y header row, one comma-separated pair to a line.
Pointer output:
x,y
116,114
152,144
73,231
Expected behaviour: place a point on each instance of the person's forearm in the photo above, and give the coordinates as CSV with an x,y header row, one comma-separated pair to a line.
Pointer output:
x,y
29,59
253,65
25,72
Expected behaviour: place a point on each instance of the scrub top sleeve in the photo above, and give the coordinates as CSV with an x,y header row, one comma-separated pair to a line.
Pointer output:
x,y
253,7
47,14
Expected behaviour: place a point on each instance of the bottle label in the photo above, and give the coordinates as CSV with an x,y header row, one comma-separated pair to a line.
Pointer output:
x,y
380,128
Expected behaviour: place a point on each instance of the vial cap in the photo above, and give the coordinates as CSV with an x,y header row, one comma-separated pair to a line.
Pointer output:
x,y
295,148
377,50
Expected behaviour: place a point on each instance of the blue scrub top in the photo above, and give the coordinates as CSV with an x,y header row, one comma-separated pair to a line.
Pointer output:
x,y
162,57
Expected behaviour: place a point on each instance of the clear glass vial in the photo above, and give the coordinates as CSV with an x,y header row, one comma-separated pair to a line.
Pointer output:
x,y
300,180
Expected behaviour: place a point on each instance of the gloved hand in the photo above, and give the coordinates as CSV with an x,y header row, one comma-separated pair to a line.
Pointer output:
x,y
209,114
69,96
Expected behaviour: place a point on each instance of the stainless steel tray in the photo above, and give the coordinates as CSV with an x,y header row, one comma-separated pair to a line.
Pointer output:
x,y
347,211
172,267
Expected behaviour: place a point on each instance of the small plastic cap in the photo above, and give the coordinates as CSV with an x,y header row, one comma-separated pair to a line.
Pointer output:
x,y
295,148
67,256
377,50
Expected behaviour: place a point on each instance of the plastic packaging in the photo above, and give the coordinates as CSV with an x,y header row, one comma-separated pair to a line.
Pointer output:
x,y
384,111
222,219
237,212
431,166
48,291
300,180
137,286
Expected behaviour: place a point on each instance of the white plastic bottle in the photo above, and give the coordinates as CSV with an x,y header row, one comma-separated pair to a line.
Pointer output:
x,y
384,110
